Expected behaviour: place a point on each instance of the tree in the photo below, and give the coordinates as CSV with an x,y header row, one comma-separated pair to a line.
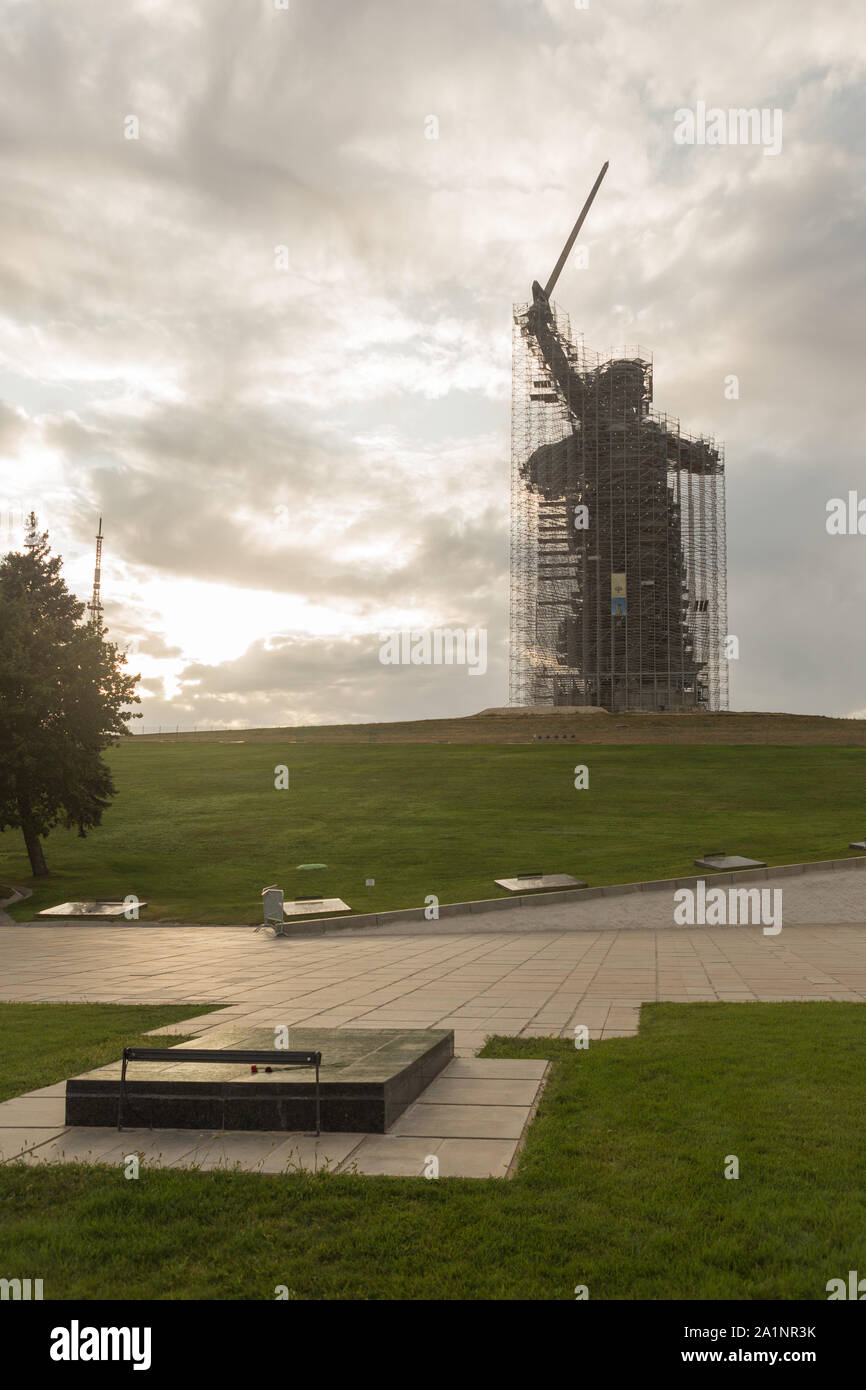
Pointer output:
x,y
63,690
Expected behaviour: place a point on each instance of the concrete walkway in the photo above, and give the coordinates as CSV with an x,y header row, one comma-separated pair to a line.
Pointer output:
x,y
820,896
554,968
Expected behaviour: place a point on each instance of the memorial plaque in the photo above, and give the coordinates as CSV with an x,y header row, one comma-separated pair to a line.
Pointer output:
x,y
306,907
98,907
527,883
368,1077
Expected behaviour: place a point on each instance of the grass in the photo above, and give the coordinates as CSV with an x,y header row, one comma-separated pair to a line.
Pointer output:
x,y
197,830
620,1187
44,1043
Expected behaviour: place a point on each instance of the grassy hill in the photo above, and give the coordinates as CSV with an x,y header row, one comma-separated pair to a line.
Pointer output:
x,y
198,827
548,725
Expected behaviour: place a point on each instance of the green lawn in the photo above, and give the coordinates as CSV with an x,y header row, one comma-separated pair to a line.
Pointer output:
x,y
621,1187
198,829
44,1043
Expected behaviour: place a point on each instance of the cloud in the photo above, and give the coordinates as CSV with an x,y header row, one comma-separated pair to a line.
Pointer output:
x,y
333,436
295,680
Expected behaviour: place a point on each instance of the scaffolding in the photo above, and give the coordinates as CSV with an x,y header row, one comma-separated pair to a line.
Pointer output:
x,y
618,584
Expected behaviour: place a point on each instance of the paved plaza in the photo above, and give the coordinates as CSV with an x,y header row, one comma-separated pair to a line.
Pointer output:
x,y
546,971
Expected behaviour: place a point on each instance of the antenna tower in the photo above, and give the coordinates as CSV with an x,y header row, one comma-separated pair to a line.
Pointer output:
x,y
95,605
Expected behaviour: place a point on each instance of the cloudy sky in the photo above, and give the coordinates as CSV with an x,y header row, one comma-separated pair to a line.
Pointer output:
x,y
268,340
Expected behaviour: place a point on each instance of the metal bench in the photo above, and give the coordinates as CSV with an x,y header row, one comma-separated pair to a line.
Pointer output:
x,y
180,1054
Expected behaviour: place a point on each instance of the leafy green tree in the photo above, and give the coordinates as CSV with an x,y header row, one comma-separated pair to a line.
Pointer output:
x,y
63,692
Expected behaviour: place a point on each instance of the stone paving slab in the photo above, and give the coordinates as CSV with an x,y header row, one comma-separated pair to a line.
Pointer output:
x,y
156,1148
501,1068
392,1155
466,1091
33,1111
271,1153
14,1142
398,1156
462,1121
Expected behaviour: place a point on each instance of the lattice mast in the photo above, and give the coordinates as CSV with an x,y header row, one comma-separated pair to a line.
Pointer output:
x,y
94,607
617,528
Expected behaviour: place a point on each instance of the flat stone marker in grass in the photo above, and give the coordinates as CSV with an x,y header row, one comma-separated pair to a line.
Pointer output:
x,y
307,907
311,904
99,907
857,844
721,860
524,883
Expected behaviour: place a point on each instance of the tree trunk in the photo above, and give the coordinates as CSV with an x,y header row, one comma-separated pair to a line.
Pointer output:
x,y
34,848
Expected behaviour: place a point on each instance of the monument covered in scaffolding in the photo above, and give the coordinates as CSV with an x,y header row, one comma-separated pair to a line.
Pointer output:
x,y
618,586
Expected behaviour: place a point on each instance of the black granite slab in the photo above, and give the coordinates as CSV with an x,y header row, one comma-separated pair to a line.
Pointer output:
x,y
367,1079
